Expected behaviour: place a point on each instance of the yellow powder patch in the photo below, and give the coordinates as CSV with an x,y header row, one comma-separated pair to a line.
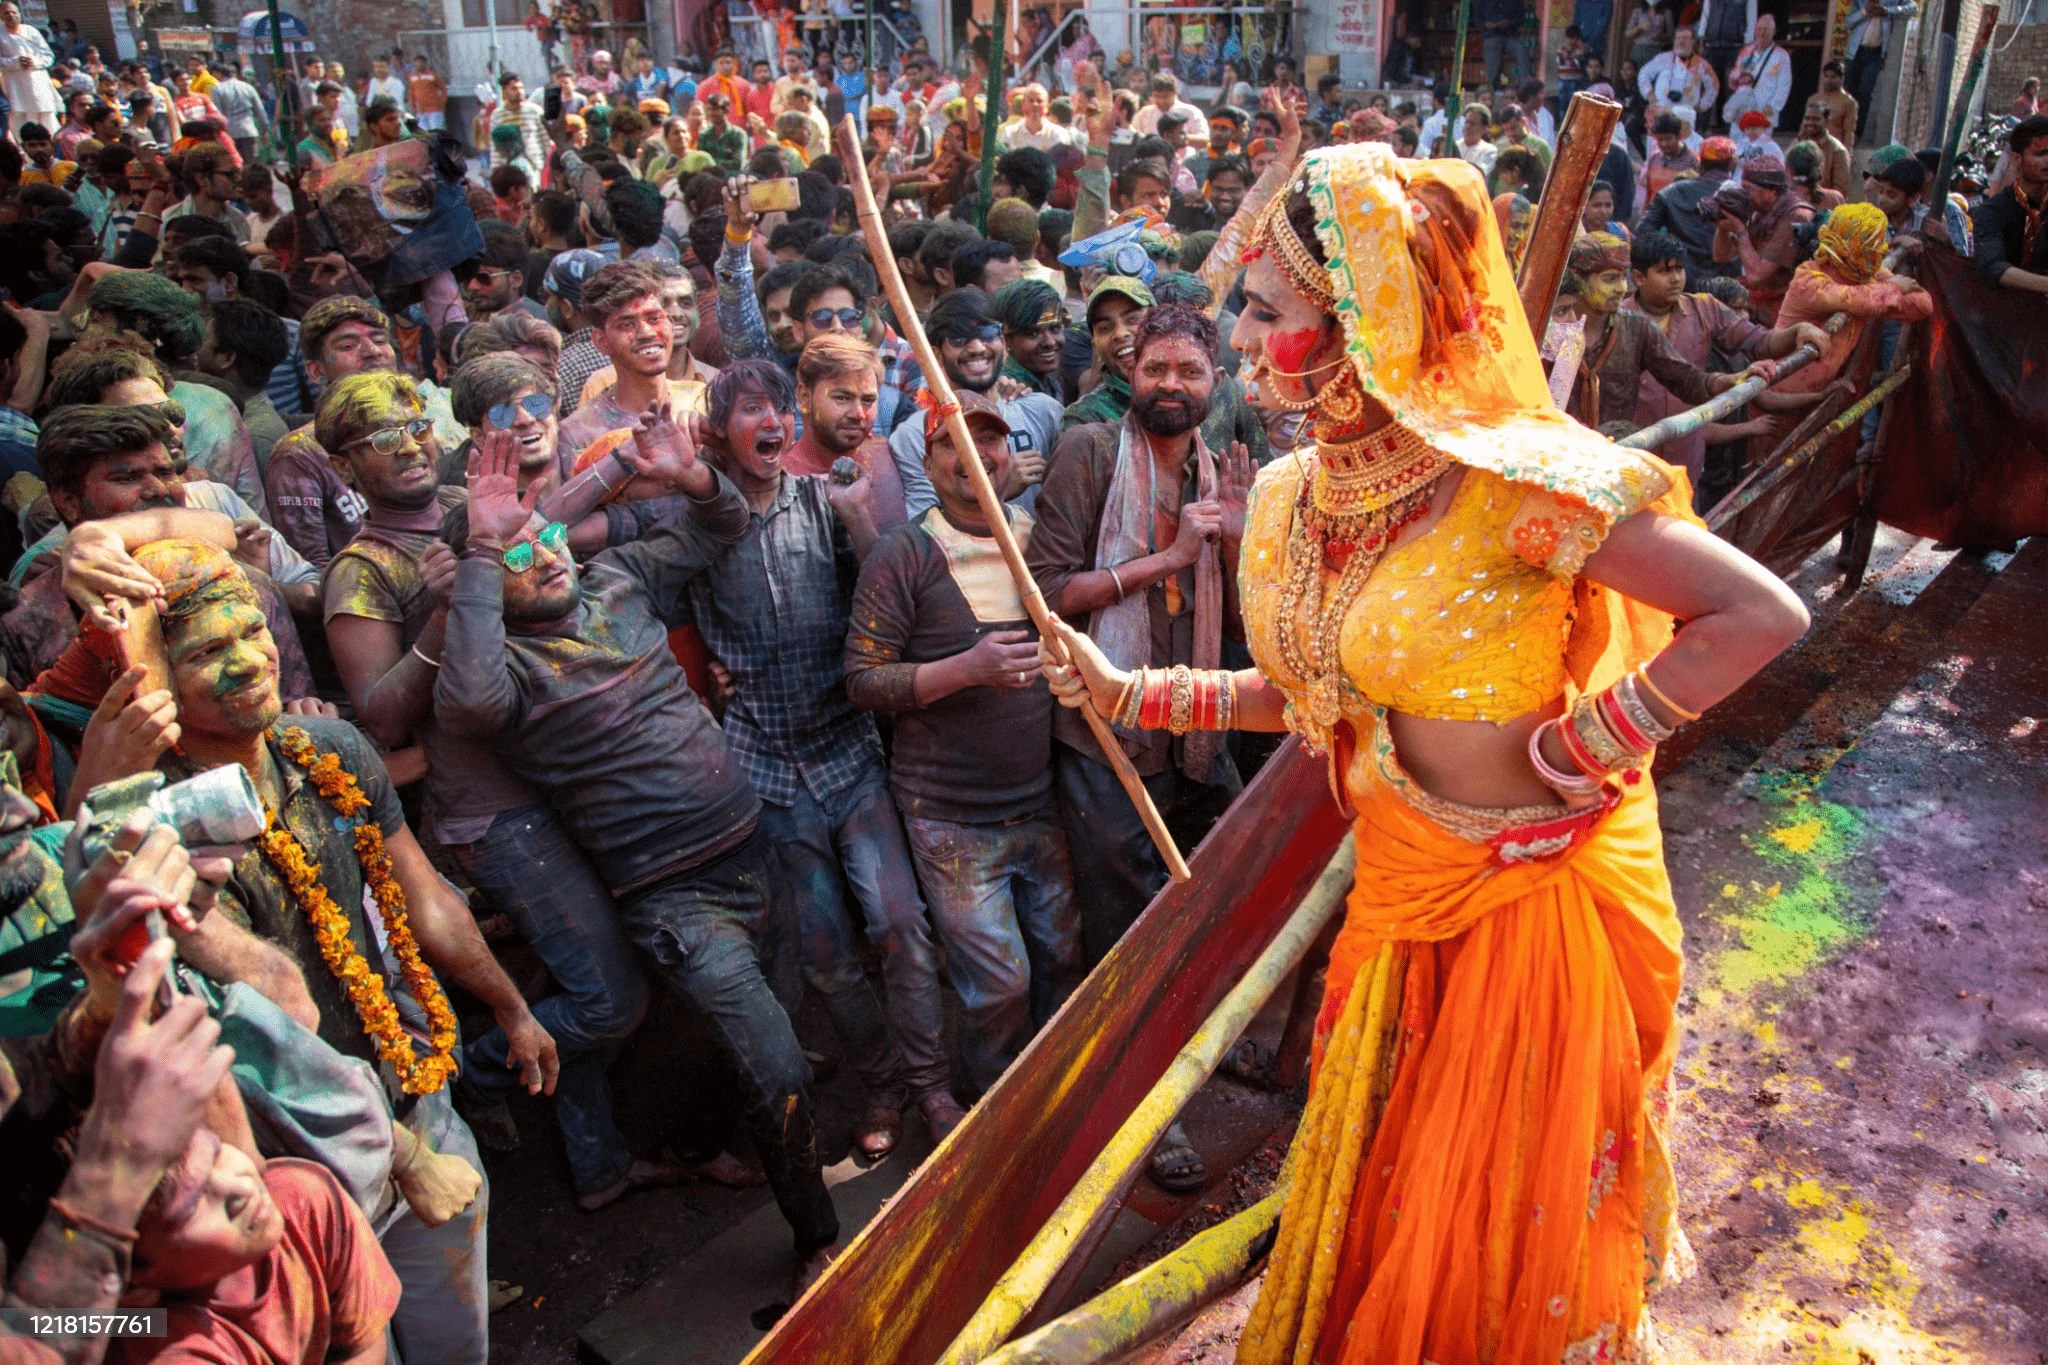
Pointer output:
x,y
1800,837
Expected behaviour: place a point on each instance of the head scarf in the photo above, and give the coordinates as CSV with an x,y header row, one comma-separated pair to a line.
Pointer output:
x,y
1446,348
1766,171
1853,242
1594,252
195,576
1717,151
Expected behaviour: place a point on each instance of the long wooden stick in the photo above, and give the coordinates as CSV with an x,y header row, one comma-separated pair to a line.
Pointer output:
x,y
984,491
1581,146
1721,404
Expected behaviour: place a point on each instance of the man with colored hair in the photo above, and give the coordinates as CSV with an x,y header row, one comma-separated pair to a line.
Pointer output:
x,y
1034,322
838,388
312,506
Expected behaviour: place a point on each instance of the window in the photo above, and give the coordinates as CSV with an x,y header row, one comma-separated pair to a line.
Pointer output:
x,y
510,13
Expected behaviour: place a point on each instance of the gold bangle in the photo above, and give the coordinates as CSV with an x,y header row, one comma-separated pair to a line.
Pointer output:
x,y
1658,695
1608,751
1639,715
1181,699
1126,713
1226,703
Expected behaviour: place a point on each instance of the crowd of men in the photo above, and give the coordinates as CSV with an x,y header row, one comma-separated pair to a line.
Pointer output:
x,y
621,581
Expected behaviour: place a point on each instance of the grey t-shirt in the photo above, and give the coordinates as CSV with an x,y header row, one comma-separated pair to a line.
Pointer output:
x,y
1034,425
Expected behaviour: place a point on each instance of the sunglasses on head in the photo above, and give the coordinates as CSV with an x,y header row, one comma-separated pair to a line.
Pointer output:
x,y
849,318
391,440
554,537
988,331
171,410
534,405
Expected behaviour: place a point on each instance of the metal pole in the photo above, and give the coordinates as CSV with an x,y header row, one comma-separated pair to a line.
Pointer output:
x,y
1117,1164
873,89
287,88
1456,99
491,25
991,119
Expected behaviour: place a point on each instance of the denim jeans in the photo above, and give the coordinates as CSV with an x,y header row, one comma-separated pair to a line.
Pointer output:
x,y
444,1314
1117,870
703,929
857,845
1003,898
528,867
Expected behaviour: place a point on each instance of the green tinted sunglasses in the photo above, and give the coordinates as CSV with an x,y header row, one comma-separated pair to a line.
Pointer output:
x,y
554,536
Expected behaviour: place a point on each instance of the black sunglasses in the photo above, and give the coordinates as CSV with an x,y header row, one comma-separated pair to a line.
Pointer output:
x,y
849,318
988,331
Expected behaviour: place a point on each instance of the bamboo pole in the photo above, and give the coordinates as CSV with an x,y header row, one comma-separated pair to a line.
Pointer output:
x,y
1116,1165
1581,146
1454,102
1720,405
1155,1299
991,122
991,505
1987,20
1764,480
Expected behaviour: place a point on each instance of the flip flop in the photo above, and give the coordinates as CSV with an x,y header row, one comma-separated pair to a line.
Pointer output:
x,y
1176,1166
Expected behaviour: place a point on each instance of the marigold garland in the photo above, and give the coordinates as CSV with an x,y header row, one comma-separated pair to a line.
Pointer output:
x,y
417,1075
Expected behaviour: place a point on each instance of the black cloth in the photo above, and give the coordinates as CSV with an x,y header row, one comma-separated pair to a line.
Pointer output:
x,y
2001,227
1620,173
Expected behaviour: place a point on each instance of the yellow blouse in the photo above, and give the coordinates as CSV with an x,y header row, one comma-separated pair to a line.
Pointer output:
x,y
1465,622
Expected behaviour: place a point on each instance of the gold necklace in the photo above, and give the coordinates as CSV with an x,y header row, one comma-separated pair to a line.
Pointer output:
x,y
1354,503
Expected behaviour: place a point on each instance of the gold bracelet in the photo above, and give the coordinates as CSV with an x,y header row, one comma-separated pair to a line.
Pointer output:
x,y
1658,695
1226,703
1181,704
1609,752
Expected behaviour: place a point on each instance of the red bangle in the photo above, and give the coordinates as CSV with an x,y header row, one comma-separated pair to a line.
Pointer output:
x,y
1575,749
1622,727
1158,705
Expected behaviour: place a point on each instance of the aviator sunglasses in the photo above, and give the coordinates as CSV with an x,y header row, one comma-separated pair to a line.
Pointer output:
x,y
534,405
554,536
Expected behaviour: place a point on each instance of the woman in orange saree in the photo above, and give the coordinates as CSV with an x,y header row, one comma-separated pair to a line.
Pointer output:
x,y
1466,601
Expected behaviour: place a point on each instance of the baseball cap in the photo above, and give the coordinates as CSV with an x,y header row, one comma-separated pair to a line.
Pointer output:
x,y
568,273
980,410
1122,285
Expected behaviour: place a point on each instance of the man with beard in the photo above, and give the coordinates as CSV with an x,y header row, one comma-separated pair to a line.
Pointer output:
x,y
496,279
311,505
102,461
571,668
1115,311
964,332
306,887
1034,322
774,608
1137,535
838,387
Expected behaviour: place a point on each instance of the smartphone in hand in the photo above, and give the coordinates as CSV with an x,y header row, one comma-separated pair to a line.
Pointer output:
x,y
551,104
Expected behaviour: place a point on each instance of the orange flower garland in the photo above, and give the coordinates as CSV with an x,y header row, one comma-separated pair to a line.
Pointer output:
x,y
417,1075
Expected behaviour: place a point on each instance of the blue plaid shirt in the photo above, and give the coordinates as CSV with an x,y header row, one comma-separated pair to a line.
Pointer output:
x,y
18,433
774,608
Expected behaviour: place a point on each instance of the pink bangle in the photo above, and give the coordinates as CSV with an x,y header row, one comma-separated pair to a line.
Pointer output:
x,y
1563,783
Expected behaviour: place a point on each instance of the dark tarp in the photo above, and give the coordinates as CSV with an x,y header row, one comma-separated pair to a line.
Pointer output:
x,y
1966,454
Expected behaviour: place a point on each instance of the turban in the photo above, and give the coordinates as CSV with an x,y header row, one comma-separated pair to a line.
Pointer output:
x,y
1853,242
1594,252
1754,118
195,576
1766,171
1717,151
651,105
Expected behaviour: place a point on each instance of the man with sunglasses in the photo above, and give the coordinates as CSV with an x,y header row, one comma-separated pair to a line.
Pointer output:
x,y
567,670
964,331
494,281
829,300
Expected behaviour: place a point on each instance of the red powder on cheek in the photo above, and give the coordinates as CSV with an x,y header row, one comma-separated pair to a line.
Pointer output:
x,y
1290,351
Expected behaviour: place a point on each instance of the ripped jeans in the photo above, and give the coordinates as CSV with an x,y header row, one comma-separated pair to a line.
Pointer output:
x,y
703,928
